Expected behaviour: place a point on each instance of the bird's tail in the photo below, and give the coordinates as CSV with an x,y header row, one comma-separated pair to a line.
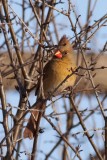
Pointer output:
x,y
30,129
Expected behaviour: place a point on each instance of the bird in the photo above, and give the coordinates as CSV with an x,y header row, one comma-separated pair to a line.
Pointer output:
x,y
57,76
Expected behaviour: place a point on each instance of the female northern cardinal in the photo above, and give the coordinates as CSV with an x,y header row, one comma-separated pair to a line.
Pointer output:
x,y
55,71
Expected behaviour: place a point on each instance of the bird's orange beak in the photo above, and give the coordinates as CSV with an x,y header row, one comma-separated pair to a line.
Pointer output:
x,y
58,54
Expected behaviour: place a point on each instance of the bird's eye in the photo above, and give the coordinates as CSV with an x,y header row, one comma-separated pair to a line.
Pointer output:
x,y
65,53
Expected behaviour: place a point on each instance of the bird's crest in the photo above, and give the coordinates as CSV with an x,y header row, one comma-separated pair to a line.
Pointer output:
x,y
63,41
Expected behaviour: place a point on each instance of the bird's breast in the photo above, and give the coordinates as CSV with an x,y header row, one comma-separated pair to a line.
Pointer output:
x,y
57,77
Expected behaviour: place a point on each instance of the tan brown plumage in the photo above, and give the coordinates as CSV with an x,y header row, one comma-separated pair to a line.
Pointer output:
x,y
55,71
